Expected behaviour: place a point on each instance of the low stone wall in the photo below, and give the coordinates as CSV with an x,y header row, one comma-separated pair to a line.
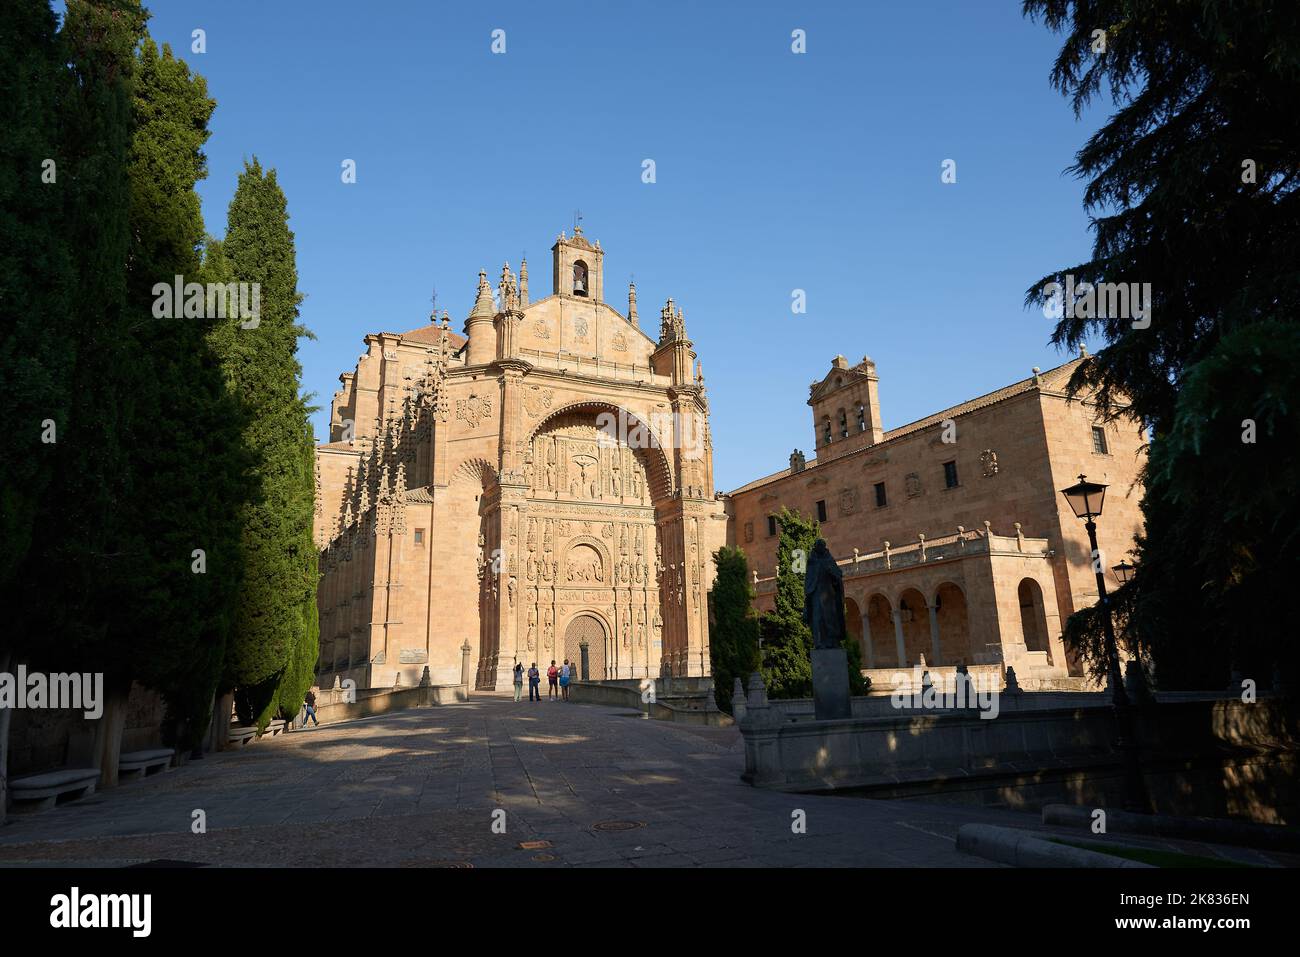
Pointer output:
x,y
332,704
684,700
1211,757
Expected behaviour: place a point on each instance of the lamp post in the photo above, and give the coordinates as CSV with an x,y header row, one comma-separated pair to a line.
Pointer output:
x,y
1086,499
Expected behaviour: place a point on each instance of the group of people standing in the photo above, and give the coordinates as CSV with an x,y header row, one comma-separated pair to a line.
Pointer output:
x,y
557,678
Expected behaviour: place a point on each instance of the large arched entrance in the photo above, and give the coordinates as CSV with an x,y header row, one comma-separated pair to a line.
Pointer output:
x,y
586,631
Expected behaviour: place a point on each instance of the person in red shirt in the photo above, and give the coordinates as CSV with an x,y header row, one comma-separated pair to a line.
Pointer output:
x,y
553,676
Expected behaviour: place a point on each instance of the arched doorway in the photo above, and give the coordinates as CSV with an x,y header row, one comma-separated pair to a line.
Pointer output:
x,y
915,616
586,630
1033,618
880,623
954,628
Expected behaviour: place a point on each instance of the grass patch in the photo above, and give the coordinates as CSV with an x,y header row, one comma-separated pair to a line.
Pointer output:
x,y
1153,856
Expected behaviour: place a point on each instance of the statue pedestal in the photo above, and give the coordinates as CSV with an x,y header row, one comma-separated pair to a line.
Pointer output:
x,y
830,674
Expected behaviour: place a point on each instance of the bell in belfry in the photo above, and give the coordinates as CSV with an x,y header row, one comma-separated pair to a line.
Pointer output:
x,y
579,279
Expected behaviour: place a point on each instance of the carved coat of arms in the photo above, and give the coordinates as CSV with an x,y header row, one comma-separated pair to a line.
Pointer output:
x,y
848,501
537,400
474,409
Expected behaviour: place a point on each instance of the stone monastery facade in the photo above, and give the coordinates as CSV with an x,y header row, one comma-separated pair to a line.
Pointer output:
x,y
538,488
956,543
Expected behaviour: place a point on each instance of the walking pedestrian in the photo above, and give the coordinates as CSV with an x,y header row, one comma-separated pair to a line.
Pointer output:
x,y
519,680
553,679
565,677
534,683
309,707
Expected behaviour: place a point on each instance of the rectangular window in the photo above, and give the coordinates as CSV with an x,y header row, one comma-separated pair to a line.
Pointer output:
x,y
771,525
821,511
1099,440
419,536
881,502
950,474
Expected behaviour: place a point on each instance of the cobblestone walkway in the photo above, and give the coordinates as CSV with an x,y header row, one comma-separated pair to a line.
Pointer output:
x,y
603,786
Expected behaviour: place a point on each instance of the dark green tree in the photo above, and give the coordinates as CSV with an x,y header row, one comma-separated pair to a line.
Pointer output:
x,y
189,466
68,594
787,641
38,274
1192,184
733,630
272,631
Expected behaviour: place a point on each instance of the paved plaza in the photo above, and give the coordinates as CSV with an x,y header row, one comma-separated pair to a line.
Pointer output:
x,y
603,786
419,788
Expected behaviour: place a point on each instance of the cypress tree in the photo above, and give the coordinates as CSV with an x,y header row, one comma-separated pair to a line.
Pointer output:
x,y
37,267
68,613
273,634
733,630
787,641
186,435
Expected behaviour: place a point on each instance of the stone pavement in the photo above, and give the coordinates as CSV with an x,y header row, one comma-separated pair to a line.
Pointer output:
x,y
604,786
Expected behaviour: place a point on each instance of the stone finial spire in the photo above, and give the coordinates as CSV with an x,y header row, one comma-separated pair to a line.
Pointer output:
x,y
523,283
483,306
631,304
508,290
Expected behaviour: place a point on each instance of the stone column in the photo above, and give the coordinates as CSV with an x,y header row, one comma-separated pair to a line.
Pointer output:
x,y
934,633
897,615
866,640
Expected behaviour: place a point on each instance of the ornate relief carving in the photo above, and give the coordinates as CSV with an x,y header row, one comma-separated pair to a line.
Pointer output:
x,y
620,342
848,501
540,329
912,482
989,460
538,400
474,409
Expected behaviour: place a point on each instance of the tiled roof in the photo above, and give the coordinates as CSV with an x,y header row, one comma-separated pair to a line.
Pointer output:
x,y
1053,380
432,333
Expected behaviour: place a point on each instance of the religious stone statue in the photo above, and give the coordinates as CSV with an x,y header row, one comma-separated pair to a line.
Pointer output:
x,y
823,606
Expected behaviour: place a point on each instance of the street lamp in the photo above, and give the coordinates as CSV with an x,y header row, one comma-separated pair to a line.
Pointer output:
x,y
1086,500
1123,572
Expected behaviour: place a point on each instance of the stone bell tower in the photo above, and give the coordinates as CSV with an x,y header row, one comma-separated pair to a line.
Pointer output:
x,y
578,267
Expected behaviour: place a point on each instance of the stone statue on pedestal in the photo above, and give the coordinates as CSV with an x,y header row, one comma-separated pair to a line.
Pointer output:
x,y
823,611
823,589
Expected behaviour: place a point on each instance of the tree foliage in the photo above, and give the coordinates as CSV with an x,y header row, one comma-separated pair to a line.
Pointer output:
x,y
1192,184
272,632
733,632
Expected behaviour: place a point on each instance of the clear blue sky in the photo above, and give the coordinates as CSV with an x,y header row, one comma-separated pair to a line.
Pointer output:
x,y
775,171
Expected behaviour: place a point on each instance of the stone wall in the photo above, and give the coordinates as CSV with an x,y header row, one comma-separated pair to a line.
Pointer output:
x,y
1210,756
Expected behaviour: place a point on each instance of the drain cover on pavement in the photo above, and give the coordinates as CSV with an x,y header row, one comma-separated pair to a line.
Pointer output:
x,y
543,858
617,825
534,845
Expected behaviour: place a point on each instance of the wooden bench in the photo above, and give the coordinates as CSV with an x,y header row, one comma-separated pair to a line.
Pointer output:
x,y
45,789
145,762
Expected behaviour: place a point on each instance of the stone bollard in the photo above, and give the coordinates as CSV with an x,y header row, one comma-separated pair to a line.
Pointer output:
x,y
710,702
1012,682
738,702
465,669
757,697
426,680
